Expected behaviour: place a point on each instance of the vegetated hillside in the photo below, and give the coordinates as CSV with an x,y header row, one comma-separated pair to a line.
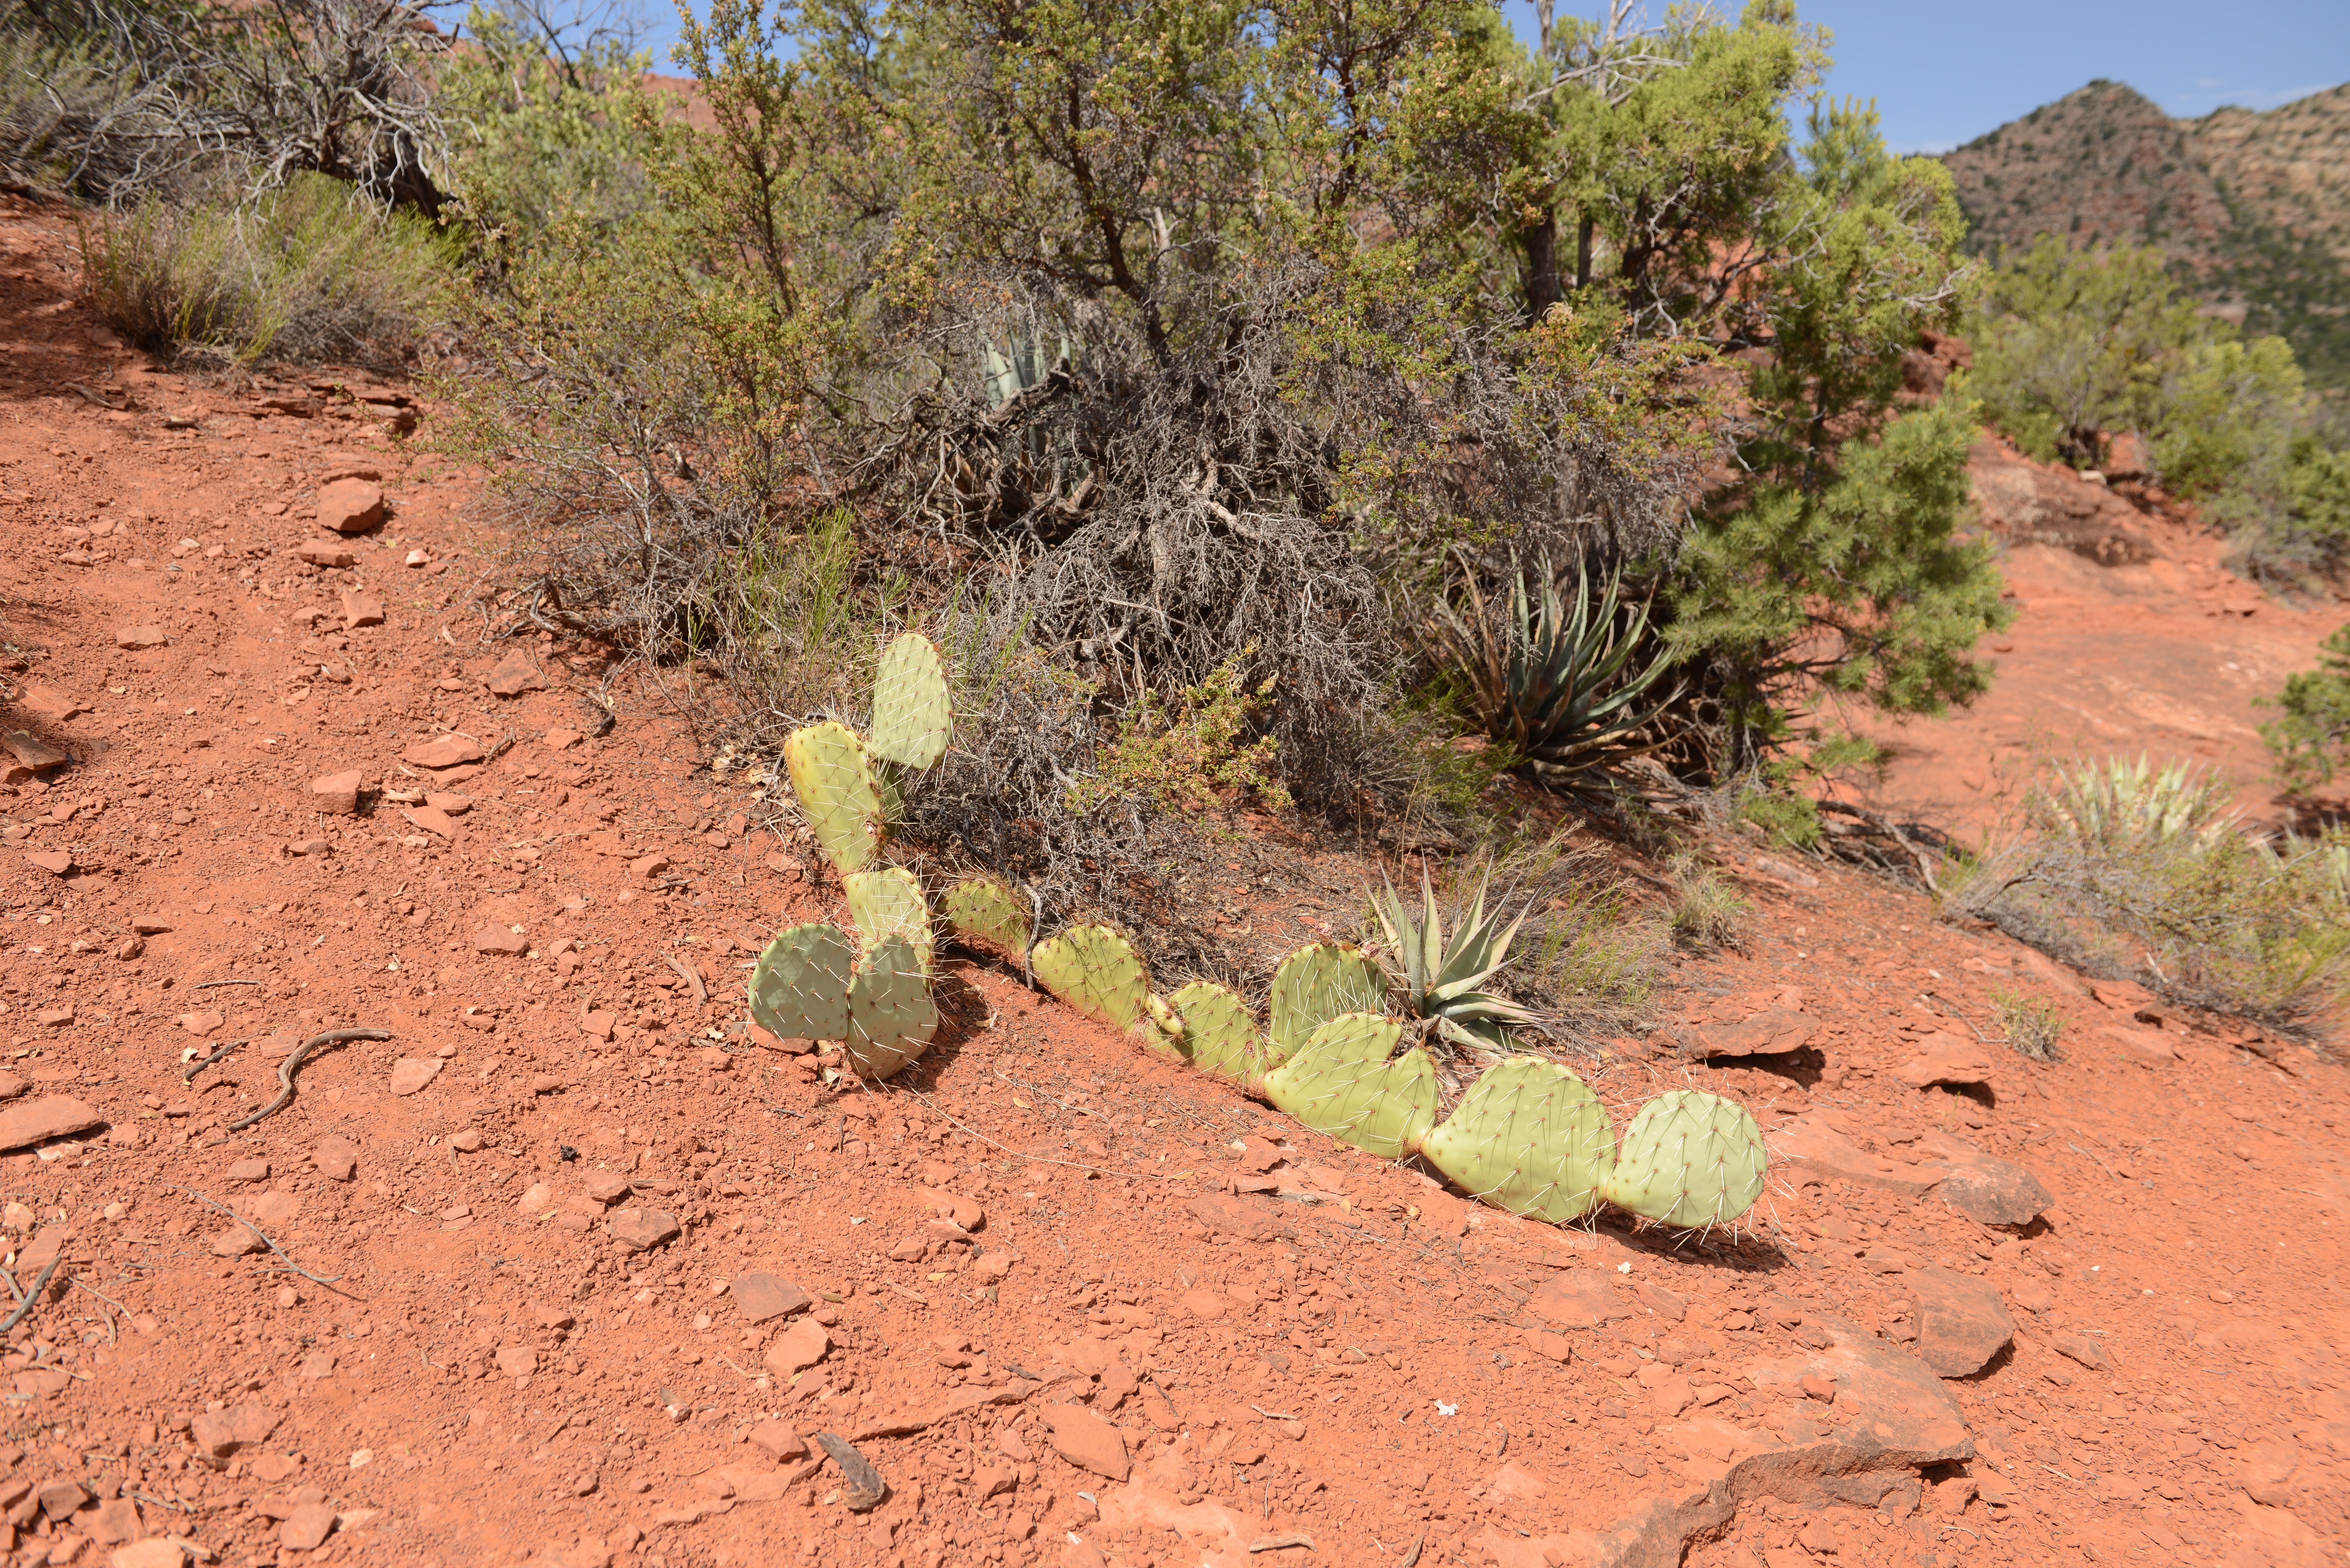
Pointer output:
x,y
2254,206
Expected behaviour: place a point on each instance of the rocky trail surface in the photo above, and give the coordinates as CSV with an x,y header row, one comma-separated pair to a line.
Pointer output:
x,y
568,1268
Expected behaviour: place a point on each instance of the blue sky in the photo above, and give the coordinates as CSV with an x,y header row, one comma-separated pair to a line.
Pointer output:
x,y
1944,73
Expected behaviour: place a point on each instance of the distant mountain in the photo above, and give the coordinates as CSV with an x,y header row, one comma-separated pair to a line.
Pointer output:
x,y
2253,207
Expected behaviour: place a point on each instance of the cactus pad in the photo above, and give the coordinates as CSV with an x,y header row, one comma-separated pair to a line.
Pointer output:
x,y
1315,984
913,712
1689,1158
888,903
1342,1082
983,911
799,989
1097,972
1530,1138
826,765
891,1015
1218,1033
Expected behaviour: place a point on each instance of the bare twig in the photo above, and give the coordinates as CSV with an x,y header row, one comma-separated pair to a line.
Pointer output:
x,y
190,1076
701,992
208,984
208,1201
35,1293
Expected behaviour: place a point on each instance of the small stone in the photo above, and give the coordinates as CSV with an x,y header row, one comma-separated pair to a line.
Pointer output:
x,y
338,793
54,1015
130,948
1818,1386
237,1241
562,740
221,1433
137,637
779,1440
114,1523
410,1074
337,1159
955,1207
1577,1298
325,553
641,1230
310,846
597,1024
1962,1322
37,1121
431,820
468,1141
1203,1303
649,866
608,1187
361,609
150,925
56,862
536,1198
760,1296
444,752
1818,1537
516,673
350,506
1945,1058
797,1348
307,1528
1088,1441
58,1499
496,939
517,1361
249,1170
155,1552
2080,1347
1772,1031
449,805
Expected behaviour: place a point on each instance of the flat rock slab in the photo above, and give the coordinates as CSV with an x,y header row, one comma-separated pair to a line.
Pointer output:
x,y
37,1121
1946,1059
1962,1322
136,637
760,1296
444,752
1088,1441
516,673
1891,1416
1577,1298
221,1433
2147,1047
797,1348
1769,1033
641,1230
410,1074
1984,1188
350,506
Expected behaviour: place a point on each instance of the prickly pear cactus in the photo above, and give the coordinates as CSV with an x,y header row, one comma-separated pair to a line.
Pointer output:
x,y
887,904
1219,1035
1689,1158
1342,1082
983,911
1318,983
891,1016
1095,972
1529,1136
799,989
913,712
826,766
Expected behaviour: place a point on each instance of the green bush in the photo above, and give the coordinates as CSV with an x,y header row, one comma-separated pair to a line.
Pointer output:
x,y
2130,868
2308,741
311,272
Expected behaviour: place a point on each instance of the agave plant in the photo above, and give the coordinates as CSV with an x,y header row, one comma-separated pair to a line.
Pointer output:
x,y
1557,686
1442,980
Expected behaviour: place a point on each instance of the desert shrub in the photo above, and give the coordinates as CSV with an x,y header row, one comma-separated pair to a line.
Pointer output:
x,y
1706,909
2134,869
2308,737
2031,1025
155,98
311,271
1190,754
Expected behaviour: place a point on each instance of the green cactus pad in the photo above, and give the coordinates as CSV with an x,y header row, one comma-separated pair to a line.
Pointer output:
x,y
1218,1033
1530,1138
1689,1158
826,765
1342,1082
913,712
799,989
891,1015
888,903
983,911
1097,972
1315,984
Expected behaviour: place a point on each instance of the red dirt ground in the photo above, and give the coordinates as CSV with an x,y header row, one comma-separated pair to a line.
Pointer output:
x,y
1046,1295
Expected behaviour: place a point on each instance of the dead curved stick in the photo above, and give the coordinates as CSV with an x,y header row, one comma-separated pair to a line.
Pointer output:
x,y
285,1073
